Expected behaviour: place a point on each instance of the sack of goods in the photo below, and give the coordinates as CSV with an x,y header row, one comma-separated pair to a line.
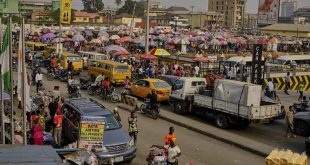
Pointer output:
x,y
285,157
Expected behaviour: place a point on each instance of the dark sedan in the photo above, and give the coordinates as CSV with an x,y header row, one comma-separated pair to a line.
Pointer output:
x,y
169,79
302,123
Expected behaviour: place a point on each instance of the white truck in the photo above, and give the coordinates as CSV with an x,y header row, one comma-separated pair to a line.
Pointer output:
x,y
229,101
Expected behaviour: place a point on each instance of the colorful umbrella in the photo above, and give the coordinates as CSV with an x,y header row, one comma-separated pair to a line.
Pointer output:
x,y
159,52
114,37
114,48
121,53
96,41
6,96
48,36
201,59
124,39
148,57
78,38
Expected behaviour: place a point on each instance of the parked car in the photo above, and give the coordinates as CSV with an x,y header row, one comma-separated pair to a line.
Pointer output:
x,y
117,144
143,87
302,123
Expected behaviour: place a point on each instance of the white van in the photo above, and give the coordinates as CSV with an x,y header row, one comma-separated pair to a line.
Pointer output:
x,y
88,56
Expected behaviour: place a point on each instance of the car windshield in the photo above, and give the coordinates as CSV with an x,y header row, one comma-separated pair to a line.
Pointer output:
x,y
121,69
161,84
279,62
110,122
74,59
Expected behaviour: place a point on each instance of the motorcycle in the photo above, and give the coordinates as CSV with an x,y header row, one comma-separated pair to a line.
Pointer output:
x,y
110,94
74,91
94,89
300,107
14,64
85,83
147,109
61,75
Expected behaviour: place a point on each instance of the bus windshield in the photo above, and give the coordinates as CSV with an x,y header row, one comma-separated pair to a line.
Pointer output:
x,y
39,48
74,59
121,69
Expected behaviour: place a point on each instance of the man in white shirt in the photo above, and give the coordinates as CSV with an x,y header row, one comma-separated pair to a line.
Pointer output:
x,y
196,70
270,87
173,151
38,79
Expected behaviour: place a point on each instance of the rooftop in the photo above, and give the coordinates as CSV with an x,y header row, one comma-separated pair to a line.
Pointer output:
x,y
288,27
177,8
86,14
37,3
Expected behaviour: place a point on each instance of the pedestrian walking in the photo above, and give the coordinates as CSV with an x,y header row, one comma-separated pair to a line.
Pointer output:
x,y
37,133
270,90
301,90
133,126
58,119
39,80
169,136
287,83
116,114
290,122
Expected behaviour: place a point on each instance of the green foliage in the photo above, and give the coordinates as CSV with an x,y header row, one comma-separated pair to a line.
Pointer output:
x,y
129,6
118,3
93,5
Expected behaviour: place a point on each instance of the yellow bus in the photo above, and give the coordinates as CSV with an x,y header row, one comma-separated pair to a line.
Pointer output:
x,y
117,72
49,51
35,46
75,59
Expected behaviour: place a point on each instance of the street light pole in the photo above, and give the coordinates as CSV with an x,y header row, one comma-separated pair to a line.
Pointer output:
x,y
147,26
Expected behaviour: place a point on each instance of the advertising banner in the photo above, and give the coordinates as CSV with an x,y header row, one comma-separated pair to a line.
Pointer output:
x,y
92,129
257,71
268,11
65,15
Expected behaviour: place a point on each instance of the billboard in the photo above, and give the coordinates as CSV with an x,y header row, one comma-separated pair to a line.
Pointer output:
x,y
268,11
66,11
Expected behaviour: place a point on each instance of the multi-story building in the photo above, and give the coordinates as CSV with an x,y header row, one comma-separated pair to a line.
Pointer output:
x,y
303,12
250,21
288,7
9,6
233,10
203,19
23,6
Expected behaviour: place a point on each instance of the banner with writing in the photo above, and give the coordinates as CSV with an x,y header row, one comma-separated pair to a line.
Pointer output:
x,y
65,14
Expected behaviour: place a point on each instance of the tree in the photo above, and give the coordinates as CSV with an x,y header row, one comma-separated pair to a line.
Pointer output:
x,y
129,6
118,3
56,15
93,5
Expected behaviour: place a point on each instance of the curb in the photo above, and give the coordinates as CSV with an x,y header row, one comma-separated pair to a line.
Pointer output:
x,y
209,134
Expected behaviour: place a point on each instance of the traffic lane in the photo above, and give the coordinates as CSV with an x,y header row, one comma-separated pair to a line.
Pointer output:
x,y
271,134
196,148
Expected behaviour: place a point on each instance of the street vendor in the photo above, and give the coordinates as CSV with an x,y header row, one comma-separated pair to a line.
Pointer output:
x,y
173,152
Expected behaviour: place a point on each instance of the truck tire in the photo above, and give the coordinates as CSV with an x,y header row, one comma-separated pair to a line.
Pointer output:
x,y
221,121
178,107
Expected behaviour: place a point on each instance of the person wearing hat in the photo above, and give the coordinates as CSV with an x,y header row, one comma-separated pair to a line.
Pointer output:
x,y
116,114
58,126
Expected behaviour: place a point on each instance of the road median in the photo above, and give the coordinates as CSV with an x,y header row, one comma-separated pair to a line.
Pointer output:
x,y
227,137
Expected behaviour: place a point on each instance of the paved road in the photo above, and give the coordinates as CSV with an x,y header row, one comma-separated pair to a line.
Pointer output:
x,y
196,148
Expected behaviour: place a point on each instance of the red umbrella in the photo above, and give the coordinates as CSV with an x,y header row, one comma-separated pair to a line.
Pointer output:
x,y
121,53
124,39
148,57
201,59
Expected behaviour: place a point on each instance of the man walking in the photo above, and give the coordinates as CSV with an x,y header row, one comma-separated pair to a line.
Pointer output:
x,y
169,136
290,122
301,90
38,79
287,83
58,127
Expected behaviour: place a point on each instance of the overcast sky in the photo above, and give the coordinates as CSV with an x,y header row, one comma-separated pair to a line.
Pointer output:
x,y
200,5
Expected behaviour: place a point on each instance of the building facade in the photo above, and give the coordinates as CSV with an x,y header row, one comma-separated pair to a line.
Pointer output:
x,y
203,19
288,7
233,10
125,19
303,12
87,18
250,21
9,6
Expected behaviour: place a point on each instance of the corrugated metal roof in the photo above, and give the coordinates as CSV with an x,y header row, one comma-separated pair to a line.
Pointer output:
x,y
30,154
288,27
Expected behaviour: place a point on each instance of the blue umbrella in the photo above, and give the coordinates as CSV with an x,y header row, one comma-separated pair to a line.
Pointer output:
x,y
6,96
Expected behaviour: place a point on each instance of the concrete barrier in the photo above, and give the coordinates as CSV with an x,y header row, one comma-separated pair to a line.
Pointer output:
x,y
294,82
130,101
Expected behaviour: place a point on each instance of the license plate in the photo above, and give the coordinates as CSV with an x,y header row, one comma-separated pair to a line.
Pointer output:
x,y
118,159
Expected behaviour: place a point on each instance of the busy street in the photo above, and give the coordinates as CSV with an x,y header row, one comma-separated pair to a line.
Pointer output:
x,y
93,82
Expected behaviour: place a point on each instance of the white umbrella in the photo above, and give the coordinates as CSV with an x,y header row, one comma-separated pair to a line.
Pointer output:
x,y
114,37
215,42
78,38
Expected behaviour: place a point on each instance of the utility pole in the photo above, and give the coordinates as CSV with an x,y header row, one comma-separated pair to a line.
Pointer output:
x,y
147,26
132,22
192,7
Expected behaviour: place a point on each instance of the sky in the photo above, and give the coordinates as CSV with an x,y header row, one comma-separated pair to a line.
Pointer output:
x,y
199,5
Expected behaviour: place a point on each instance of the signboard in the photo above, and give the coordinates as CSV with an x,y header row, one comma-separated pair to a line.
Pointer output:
x,y
66,11
256,77
268,11
92,129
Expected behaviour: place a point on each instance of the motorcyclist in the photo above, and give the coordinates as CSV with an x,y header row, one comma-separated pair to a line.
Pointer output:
x,y
153,99
53,64
71,82
99,79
